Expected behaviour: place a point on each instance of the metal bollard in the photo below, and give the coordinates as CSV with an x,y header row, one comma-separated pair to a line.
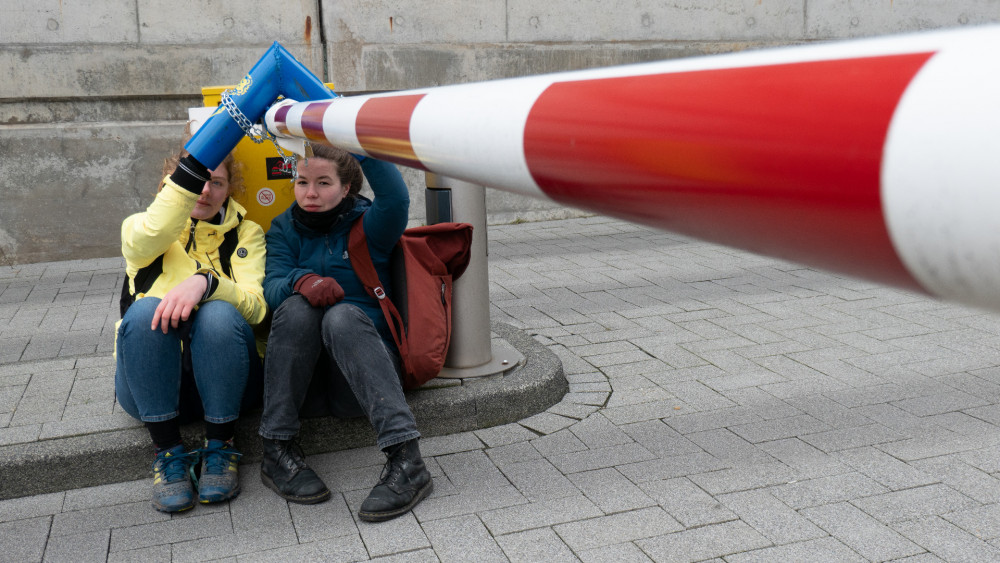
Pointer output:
x,y
472,352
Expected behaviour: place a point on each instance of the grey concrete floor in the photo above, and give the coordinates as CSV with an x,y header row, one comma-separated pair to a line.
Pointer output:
x,y
722,407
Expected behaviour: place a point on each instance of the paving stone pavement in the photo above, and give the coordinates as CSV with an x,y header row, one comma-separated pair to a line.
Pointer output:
x,y
722,407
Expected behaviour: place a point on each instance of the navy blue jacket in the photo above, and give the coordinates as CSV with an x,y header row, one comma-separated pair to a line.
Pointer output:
x,y
294,250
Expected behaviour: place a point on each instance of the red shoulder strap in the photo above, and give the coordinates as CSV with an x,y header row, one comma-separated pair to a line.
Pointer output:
x,y
361,261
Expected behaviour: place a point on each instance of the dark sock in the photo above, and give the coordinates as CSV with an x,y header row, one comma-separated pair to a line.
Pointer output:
x,y
220,431
165,434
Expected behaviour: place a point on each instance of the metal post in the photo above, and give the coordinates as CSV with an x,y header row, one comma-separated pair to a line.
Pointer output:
x,y
472,352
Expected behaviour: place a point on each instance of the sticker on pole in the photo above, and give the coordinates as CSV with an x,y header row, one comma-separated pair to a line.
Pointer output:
x,y
277,169
244,85
265,196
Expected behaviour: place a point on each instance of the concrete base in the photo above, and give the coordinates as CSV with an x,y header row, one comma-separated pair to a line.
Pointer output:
x,y
503,358
440,409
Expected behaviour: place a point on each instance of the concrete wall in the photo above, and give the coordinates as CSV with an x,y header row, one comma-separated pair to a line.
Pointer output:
x,y
97,91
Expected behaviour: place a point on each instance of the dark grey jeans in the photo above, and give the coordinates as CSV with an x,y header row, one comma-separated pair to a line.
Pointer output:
x,y
364,374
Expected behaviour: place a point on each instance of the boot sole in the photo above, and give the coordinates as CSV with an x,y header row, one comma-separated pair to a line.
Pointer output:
x,y
236,492
315,499
389,515
172,510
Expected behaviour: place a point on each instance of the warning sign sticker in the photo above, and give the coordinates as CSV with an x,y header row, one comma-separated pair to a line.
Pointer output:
x,y
265,196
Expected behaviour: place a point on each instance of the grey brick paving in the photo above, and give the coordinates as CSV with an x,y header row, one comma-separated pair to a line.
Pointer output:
x,y
539,514
463,539
616,528
947,541
78,548
697,544
623,552
827,549
862,533
535,545
771,517
723,407
538,479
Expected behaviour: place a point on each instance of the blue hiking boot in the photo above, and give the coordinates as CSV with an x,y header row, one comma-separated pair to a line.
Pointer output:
x,y
173,490
219,479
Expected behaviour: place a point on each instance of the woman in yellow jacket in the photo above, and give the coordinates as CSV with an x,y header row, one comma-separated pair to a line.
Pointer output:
x,y
195,268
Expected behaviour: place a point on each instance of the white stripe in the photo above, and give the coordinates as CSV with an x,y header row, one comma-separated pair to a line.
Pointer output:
x,y
475,132
338,123
293,120
941,175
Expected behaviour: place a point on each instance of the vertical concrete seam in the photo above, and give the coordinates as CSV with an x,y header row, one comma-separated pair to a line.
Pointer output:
x,y
322,39
506,21
138,25
805,19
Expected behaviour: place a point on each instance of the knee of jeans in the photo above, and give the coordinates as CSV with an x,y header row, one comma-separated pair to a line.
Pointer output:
x,y
219,319
295,309
141,312
345,317
218,312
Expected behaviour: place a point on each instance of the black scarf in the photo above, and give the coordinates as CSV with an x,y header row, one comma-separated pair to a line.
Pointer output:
x,y
217,220
322,221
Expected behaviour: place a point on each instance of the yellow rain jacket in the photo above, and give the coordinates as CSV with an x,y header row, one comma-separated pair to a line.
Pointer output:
x,y
166,228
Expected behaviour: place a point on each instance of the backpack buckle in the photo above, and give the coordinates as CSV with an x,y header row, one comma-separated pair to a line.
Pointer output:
x,y
379,292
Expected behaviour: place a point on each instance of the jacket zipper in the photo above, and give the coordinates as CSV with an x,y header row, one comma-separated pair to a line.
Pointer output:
x,y
191,243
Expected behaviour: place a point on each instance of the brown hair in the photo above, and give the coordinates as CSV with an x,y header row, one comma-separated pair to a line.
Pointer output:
x,y
233,166
348,170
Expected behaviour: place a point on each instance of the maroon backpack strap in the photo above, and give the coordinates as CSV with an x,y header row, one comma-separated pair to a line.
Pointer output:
x,y
361,261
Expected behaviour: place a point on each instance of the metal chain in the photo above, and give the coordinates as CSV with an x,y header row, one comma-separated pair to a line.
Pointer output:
x,y
247,126
239,118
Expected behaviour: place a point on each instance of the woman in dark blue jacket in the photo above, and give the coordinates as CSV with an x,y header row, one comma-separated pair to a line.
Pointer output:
x,y
327,327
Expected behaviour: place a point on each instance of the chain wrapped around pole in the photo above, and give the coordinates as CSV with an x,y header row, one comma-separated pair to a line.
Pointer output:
x,y
289,161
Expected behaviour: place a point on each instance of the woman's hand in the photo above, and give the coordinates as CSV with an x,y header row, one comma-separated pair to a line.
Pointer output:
x,y
319,291
177,304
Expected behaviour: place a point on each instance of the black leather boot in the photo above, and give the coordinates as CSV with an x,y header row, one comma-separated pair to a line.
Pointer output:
x,y
405,481
285,472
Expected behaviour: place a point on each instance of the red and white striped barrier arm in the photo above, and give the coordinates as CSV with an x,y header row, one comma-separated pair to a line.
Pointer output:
x,y
876,158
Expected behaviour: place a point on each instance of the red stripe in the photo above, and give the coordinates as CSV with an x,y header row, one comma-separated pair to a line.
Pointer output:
x,y
781,159
280,118
383,129
312,121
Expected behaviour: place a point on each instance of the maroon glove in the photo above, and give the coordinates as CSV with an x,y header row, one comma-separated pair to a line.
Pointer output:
x,y
319,291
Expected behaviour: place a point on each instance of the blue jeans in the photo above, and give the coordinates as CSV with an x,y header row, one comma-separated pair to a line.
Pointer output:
x,y
358,374
223,356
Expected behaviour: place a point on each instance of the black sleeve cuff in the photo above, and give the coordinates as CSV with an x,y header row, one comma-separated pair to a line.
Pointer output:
x,y
213,286
190,175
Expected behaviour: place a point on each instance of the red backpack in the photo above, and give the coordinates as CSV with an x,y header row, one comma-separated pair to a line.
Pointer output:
x,y
424,264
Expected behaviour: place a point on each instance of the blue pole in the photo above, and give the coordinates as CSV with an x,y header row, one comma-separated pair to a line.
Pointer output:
x,y
277,73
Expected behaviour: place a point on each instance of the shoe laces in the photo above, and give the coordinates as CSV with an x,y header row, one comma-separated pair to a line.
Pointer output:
x,y
218,455
392,468
174,464
292,451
